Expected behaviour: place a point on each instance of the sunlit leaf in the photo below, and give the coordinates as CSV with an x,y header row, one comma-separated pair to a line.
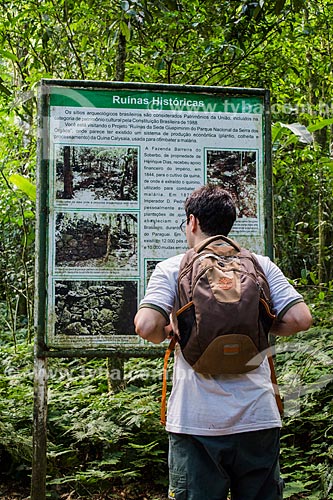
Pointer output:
x,y
8,55
125,30
23,184
320,125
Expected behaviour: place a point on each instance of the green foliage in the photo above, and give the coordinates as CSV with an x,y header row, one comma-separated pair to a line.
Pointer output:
x,y
117,434
16,382
305,373
309,218
282,45
96,439
17,215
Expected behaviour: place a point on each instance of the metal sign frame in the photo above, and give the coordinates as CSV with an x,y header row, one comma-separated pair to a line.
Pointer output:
x,y
118,353
231,98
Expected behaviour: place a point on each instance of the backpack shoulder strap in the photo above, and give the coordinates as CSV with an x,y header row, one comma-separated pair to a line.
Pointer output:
x,y
278,399
168,352
187,263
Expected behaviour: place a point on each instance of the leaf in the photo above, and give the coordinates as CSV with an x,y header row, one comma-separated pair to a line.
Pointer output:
x,y
276,132
124,5
320,125
313,278
125,30
293,488
23,184
304,273
300,131
326,161
8,55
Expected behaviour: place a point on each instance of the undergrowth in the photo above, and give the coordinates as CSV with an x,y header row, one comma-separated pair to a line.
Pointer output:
x,y
99,440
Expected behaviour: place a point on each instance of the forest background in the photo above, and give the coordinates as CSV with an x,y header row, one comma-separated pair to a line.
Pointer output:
x,y
108,443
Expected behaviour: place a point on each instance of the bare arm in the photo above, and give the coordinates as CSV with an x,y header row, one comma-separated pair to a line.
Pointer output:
x,y
297,318
151,325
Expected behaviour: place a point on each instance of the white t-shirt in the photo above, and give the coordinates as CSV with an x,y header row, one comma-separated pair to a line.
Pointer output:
x,y
225,404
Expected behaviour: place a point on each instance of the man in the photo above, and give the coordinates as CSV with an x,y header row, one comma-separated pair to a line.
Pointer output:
x,y
223,430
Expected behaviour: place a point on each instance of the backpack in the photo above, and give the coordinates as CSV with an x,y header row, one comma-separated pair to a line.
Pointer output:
x,y
224,314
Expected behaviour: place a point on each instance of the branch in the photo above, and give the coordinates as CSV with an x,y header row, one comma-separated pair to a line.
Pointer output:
x,y
70,39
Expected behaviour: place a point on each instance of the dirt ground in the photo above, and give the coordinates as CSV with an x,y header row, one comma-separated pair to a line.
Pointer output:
x,y
15,491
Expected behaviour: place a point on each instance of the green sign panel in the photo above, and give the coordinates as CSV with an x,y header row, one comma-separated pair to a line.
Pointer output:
x,y
116,164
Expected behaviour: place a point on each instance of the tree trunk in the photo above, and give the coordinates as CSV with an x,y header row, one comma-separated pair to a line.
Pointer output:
x,y
121,58
68,175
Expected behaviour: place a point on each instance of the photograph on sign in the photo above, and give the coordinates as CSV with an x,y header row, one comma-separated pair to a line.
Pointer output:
x,y
96,241
87,311
149,268
120,164
237,172
96,174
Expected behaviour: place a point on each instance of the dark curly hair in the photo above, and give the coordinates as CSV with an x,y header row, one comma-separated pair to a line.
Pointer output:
x,y
214,207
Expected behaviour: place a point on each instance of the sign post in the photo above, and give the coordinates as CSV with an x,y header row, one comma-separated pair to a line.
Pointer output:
x,y
116,162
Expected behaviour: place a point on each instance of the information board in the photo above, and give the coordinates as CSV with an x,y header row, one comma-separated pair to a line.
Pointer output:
x,y
116,164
